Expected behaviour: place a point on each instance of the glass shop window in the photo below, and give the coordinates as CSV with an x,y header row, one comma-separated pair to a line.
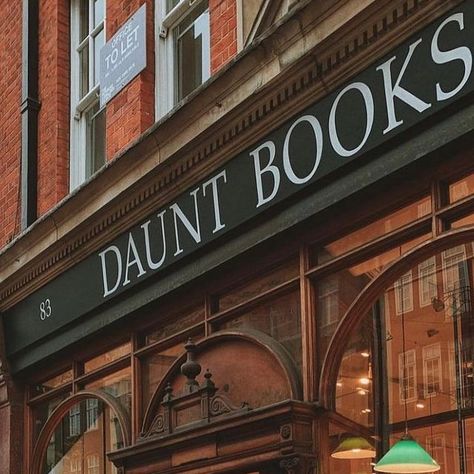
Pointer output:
x,y
399,366
257,286
107,358
51,383
117,384
280,318
373,231
74,448
349,282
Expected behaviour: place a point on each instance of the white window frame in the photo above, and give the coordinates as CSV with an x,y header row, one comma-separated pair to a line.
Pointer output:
x,y
75,420
80,106
92,414
406,281
165,52
410,357
450,258
430,354
427,281
438,452
93,464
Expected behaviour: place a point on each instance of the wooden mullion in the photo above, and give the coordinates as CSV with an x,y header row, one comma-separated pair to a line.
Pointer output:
x,y
136,389
104,370
50,394
429,420
207,314
308,330
457,209
436,203
383,243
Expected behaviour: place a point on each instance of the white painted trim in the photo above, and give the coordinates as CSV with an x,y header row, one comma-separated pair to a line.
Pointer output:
x,y
164,53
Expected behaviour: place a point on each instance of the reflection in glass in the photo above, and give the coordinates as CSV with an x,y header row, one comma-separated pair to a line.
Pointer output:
x,y
279,318
192,61
95,139
337,291
107,357
433,375
81,440
375,230
118,384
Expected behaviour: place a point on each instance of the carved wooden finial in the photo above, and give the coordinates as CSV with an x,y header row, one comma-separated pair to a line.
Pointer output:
x,y
191,369
208,383
168,393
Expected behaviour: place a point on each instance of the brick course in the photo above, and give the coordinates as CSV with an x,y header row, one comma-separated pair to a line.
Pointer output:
x,y
132,110
10,120
223,18
54,82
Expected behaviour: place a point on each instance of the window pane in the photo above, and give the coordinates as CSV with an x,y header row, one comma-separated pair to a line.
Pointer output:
x,y
175,325
118,384
53,382
109,356
170,4
259,285
155,366
279,318
337,292
192,51
99,41
74,448
464,221
84,71
84,19
375,230
354,385
461,189
41,411
99,12
95,139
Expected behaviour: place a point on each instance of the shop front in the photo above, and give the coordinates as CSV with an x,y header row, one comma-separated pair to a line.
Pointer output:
x,y
297,309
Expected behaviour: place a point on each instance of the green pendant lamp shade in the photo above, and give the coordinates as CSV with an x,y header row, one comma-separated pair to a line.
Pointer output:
x,y
354,447
407,456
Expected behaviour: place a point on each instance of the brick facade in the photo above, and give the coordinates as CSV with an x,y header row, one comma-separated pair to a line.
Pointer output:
x,y
53,120
10,121
128,115
223,15
131,112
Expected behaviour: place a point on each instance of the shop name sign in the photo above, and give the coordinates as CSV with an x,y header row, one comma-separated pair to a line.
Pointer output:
x,y
421,77
293,157
123,57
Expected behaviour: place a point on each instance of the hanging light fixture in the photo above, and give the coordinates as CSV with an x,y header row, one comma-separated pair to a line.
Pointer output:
x,y
354,447
406,455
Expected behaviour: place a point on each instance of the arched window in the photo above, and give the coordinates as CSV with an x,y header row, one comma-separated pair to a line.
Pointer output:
x,y
410,360
79,433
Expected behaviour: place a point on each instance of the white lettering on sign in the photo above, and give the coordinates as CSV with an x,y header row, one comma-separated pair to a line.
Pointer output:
x,y
269,178
45,309
119,267
343,125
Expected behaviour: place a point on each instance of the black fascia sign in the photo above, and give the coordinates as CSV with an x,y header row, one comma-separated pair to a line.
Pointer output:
x,y
421,77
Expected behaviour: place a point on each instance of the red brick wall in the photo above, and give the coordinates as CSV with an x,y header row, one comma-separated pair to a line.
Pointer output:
x,y
54,81
131,111
223,18
10,120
